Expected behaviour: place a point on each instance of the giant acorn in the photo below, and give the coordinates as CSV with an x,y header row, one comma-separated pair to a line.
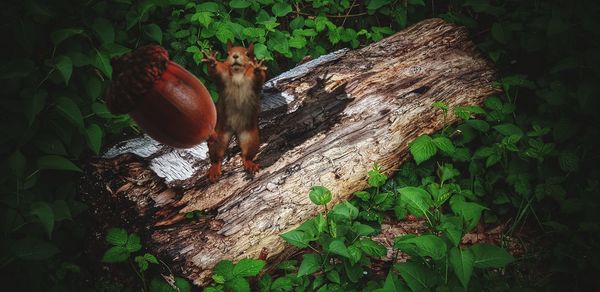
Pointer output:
x,y
168,102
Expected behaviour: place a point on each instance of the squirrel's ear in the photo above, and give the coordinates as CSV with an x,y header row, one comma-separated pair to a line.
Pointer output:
x,y
229,45
251,49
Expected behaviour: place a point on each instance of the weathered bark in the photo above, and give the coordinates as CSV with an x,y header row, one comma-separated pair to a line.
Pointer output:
x,y
325,122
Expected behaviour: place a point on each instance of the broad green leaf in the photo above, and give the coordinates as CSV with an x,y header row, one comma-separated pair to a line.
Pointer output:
x,y
422,148
470,212
117,236
239,4
363,229
94,137
238,284
223,32
61,210
311,263
115,254
93,87
320,195
490,256
371,247
133,243
34,104
142,263
17,162
104,29
509,129
262,52
426,245
45,214
31,248
57,163
248,268
478,125
416,276
225,269
208,6
376,178
416,198
297,42
338,247
282,284
281,9
150,258
64,66
462,264
345,211
69,109
154,32
183,285
444,144
295,238
355,254
62,34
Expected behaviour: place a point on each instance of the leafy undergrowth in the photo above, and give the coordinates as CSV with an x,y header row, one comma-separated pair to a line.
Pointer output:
x,y
523,165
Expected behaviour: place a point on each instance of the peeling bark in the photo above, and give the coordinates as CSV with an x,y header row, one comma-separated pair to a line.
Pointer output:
x,y
325,122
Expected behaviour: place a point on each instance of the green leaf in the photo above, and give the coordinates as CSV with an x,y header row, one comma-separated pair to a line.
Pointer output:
x,y
297,42
31,248
154,32
363,229
320,195
62,34
376,178
239,4
183,285
17,162
61,210
69,109
281,284
34,104
248,268
115,254
338,247
509,129
104,29
345,211
142,263
462,264
117,236
416,198
490,256
295,238
371,247
376,4
238,284
470,212
355,254
133,243
478,125
281,9
150,258
57,163
102,62
311,263
444,144
64,66
94,137
225,269
416,276
45,214
93,87
426,245
223,32
422,148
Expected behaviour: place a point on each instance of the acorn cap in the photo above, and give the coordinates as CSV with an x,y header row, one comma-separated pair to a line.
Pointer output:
x,y
133,75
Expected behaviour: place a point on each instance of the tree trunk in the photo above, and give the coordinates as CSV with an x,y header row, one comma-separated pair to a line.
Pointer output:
x,y
325,122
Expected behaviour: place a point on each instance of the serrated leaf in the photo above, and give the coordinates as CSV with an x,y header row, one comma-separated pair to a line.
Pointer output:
x,y
133,243
310,263
462,264
239,4
281,9
371,247
444,144
422,148
225,269
57,163
70,110
490,256
417,198
150,258
319,195
45,214
115,254
248,268
117,236
64,66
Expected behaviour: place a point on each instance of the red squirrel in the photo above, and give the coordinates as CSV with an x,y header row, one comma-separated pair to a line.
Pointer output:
x,y
239,80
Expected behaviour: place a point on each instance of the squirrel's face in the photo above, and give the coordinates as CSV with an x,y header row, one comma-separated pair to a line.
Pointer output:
x,y
239,57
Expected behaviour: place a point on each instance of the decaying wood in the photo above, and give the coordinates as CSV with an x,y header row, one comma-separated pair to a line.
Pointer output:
x,y
325,122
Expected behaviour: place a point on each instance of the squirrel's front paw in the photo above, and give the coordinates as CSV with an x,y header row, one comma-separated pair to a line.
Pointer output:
x,y
210,58
214,172
250,166
258,65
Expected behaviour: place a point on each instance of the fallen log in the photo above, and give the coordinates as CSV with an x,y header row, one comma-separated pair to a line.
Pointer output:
x,y
325,122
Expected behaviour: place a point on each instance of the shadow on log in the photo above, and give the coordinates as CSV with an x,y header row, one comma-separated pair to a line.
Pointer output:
x,y
325,122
